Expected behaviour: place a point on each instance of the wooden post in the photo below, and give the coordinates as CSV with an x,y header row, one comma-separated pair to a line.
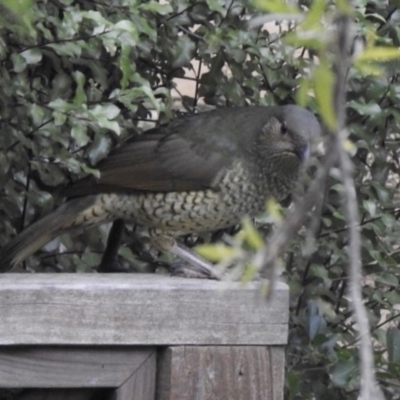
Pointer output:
x,y
214,340
221,372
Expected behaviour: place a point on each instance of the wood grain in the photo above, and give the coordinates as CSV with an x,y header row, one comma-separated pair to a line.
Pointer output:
x,y
141,385
70,367
221,373
137,309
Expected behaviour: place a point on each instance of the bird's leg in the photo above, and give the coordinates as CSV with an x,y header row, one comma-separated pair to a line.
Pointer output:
x,y
198,268
109,261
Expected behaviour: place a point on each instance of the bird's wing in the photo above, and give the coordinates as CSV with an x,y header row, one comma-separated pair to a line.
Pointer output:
x,y
187,154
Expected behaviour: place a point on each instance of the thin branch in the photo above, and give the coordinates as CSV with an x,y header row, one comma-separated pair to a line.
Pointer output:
x,y
369,388
61,41
387,321
295,218
27,186
346,227
29,133
190,33
196,92
180,13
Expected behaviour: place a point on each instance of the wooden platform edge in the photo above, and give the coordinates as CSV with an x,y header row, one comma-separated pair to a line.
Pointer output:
x,y
138,309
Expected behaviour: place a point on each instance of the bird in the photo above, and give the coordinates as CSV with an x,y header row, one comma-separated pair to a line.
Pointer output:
x,y
199,173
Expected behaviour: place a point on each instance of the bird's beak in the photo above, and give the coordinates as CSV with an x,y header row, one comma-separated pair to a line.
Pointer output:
x,y
303,152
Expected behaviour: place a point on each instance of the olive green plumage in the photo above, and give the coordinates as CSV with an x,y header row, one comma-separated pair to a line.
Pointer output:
x,y
199,173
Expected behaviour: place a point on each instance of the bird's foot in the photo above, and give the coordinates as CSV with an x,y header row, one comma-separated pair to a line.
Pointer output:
x,y
184,271
196,267
110,266
197,264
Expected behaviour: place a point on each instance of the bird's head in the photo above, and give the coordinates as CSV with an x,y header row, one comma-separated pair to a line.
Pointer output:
x,y
288,136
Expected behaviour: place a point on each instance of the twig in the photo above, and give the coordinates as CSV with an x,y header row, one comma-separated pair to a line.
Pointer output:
x,y
295,218
370,389
190,33
61,41
369,385
27,186
196,92
180,13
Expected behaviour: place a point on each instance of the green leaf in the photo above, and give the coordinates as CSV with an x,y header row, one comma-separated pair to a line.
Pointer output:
x,y
249,274
393,344
59,118
107,110
276,6
99,148
60,85
217,252
293,383
150,95
37,114
393,298
274,210
371,109
250,235
111,125
184,50
320,271
342,372
344,6
315,15
387,279
315,323
32,56
368,69
126,65
91,259
80,95
128,35
19,62
88,170
162,9
216,5
303,92
70,49
379,54
302,39
78,132
370,206
323,87
95,16
18,12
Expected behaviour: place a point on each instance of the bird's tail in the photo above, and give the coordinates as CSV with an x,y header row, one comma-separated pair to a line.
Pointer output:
x,y
76,212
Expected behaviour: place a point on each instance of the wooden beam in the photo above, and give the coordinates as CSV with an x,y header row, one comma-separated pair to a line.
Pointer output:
x,y
71,367
137,309
221,372
141,385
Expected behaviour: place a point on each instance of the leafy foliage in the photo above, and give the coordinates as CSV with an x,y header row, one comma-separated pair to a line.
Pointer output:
x,y
78,76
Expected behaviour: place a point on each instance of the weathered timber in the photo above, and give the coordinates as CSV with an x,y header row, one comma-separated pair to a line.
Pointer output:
x,y
70,367
141,384
221,372
136,309
140,337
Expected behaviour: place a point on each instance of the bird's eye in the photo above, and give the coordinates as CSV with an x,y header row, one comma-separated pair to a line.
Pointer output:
x,y
283,128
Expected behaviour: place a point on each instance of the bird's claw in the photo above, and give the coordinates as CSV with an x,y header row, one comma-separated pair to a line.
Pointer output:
x,y
193,272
